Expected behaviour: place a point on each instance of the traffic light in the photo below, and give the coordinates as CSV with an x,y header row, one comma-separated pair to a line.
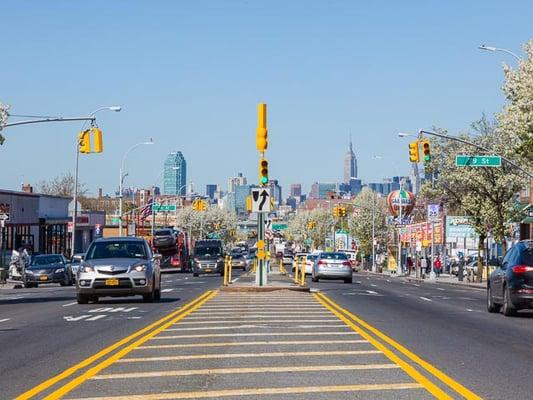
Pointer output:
x,y
342,211
414,153
335,211
426,151
85,141
261,139
263,171
98,143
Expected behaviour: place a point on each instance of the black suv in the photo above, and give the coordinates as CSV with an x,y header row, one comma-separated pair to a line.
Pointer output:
x,y
208,257
510,286
164,239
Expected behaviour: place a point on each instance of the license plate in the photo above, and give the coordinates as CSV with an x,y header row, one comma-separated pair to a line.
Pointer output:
x,y
208,270
43,278
111,282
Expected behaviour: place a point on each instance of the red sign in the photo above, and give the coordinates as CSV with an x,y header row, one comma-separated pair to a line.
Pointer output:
x,y
69,226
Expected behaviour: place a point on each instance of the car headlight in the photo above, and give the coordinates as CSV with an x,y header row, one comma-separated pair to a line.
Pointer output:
x,y
87,268
140,268
28,272
57,271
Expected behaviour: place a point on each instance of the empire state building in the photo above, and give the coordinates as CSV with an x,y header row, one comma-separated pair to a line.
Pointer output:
x,y
350,165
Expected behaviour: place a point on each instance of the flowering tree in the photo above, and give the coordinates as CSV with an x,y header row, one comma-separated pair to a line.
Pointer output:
x,y
323,224
4,114
213,220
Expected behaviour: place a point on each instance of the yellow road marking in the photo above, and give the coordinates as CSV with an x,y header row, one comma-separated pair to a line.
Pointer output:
x,y
253,321
261,391
254,312
463,391
247,370
251,355
238,344
121,353
214,335
277,315
88,361
246,326
411,371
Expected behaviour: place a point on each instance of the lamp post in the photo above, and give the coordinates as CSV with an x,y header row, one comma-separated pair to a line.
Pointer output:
x,y
121,181
492,48
75,197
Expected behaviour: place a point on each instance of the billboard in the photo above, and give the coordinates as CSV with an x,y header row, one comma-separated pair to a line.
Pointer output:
x,y
459,227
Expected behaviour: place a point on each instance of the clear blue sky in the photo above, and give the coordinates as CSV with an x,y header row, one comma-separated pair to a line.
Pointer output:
x,y
190,74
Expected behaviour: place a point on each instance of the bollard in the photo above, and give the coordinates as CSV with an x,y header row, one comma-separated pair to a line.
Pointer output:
x,y
254,265
226,271
302,272
230,266
296,270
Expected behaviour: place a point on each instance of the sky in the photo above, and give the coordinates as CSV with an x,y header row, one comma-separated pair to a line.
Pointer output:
x,y
189,74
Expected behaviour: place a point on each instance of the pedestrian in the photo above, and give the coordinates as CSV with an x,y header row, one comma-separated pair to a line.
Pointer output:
x,y
438,265
409,264
423,267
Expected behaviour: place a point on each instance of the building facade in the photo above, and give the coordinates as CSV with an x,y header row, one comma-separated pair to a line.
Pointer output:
x,y
350,165
296,190
175,174
239,180
210,191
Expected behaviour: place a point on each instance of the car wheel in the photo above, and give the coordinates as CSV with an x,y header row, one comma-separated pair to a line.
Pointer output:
x,y
508,308
349,280
491,306
65,282
222,273
82,298
149,297
195,274
314,279
157,295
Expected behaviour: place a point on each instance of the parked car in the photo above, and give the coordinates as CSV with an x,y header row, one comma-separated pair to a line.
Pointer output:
x,y
332,265
309,262
123,266
510,286
164,239
208,257
238,261
75,262
287,258
352,257
299,257
48,268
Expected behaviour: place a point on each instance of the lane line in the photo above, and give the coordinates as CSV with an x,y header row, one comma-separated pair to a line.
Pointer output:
x,y
88,361
251,355
5,319
96,317
208,328
166,290
262,391
253,321
244,370
462,390
69,304
266,315
424,298
214,335
409,370
258,343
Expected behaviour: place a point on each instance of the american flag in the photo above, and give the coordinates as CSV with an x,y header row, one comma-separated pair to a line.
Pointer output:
x,y
146,210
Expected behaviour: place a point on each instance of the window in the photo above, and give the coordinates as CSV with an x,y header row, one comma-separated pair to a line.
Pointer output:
x,y
118,249
334,256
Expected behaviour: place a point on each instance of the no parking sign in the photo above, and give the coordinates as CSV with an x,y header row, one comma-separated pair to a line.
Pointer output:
x,y
97,230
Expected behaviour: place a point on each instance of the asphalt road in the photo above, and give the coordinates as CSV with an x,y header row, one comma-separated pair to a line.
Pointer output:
x,y
43,330
448,327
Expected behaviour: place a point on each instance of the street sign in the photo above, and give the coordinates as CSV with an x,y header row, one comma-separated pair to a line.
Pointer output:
x,y
279,227
97,229
260,244
261,200
163,207
269,234
478,161
261,254
433,212
69,226
4,217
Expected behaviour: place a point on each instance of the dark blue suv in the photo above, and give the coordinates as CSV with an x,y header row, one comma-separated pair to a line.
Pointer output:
x,y
510,286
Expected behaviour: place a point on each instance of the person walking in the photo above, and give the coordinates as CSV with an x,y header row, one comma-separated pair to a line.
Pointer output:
x,y
438,265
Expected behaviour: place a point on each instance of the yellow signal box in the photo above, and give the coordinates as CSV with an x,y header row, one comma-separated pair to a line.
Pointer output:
x,y
98,142
261,138
85,141
414,152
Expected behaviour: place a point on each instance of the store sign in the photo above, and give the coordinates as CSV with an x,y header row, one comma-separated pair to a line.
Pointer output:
x,y
459,227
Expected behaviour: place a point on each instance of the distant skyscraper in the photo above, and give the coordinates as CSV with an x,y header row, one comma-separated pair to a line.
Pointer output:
x,y
321,190
210,191
239,180
350,165
275,190
175,174
296,190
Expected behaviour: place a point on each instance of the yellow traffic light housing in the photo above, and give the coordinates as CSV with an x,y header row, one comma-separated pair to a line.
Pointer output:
x,y
335,211
426,151
261,138
85,141
263,171
342,211
98,142
414,152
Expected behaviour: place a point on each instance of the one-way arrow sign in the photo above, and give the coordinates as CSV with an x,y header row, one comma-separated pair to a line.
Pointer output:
x,y
261,200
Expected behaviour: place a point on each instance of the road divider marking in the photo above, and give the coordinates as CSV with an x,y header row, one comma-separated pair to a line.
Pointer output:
x,y
210,328
441,376
262,391
113,309
270,315
251,355
96,317
253,321
69,304
102,353
424,298
5,319
166,290
244,370
258,343
214,335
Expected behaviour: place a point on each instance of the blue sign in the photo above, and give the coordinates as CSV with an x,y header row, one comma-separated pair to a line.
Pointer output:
x,y
459,227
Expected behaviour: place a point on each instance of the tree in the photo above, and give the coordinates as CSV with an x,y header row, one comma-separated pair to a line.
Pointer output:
x,y
213,220
4,114
366,204
61,186
516,118
323,226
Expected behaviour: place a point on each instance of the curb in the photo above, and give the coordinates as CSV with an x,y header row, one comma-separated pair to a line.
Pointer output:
x,y
455,284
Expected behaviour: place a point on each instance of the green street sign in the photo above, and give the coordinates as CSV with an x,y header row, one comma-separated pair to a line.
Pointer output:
x,y
115,220
478,161
308,242
279,227
163,207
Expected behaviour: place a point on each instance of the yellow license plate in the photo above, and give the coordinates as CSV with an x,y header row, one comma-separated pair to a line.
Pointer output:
x,y
208,270
43,278
111,282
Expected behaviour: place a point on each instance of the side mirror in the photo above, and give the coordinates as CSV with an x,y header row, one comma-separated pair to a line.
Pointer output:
x,y
157,256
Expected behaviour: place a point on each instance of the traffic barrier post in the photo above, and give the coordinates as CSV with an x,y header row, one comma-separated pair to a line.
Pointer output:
x,y
230,267
302,273
296,270
226,271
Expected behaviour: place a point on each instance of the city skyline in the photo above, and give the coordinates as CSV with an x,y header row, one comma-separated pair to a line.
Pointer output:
x,y
175,174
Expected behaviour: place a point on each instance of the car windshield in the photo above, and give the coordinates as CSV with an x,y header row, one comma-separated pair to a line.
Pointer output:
x,y
164,232
312,257
118,249
527,257
334,256
43,260
208,251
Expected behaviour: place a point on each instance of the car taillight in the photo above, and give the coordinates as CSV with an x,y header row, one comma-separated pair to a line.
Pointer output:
x,y
347,263
322,262
522,269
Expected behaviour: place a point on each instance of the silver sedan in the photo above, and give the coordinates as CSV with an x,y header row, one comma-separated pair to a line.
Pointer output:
x,y
332,265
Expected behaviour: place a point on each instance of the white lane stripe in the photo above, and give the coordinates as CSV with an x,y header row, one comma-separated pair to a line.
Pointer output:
x,y
251,326
96,317
258,343
253,334
259,315
166,290
425,298
69,304
5,319
254,321
439,288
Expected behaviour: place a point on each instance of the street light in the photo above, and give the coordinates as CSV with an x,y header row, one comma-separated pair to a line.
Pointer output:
x,y
75,197
492,48
121,181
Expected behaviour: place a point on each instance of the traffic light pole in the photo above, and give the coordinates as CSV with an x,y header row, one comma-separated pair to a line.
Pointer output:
x,y
261,276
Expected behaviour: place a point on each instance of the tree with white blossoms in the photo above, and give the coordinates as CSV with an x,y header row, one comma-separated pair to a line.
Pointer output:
x,y
213,220
4,114
360,221
324,223
516,118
